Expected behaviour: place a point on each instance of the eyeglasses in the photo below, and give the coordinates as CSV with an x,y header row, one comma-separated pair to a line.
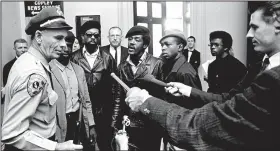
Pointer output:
x,y
214,44
90,35
113,36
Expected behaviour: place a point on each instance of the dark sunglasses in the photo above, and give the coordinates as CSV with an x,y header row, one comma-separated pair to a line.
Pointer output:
x,y
95,35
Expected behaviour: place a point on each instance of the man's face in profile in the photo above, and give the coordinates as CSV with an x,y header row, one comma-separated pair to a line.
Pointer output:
x,y
262,33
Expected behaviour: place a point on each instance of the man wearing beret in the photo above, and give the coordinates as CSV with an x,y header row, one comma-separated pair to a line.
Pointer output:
x,y
176,68
73,103
29,121
246,120
139,63
98,65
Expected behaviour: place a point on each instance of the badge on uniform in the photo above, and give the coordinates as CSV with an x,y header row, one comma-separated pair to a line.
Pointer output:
x,y
35,84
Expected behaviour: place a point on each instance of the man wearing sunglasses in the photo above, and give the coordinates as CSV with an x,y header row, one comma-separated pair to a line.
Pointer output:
x,y
226,71
97,65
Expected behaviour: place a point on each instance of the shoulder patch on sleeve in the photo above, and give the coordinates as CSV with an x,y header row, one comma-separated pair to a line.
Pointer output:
x,y
35,84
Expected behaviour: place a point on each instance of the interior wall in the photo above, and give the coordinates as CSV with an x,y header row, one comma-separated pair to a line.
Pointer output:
x,y
211,16
205,18
111,14
11,30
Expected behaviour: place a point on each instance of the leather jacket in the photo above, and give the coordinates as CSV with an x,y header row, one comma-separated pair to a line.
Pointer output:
x,y
100,84
150,65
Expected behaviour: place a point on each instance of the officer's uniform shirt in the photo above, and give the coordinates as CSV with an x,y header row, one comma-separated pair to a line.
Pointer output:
x,y
30,104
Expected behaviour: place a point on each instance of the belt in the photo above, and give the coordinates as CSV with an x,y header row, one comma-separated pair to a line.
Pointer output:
x,y
72,115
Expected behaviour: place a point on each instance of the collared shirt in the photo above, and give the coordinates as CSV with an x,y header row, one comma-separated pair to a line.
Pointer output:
x,y
30,104
90,57
71,84
133,66
189,54
113,52
273,61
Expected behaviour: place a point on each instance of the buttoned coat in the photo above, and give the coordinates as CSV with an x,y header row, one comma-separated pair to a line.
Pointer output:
x,y
205,97
224,74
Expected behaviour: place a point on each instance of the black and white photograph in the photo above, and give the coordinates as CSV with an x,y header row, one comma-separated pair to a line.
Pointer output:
x,y
140,75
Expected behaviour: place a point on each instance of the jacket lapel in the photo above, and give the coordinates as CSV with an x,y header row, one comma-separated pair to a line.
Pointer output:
x,y
79,78
128,71
57,75
124,53
97,61
143,67
83,61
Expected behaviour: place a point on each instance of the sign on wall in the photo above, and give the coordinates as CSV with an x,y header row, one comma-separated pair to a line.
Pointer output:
x,y
32,8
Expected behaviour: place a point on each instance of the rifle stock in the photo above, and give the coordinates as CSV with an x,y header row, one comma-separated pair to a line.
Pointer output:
x,y
77,133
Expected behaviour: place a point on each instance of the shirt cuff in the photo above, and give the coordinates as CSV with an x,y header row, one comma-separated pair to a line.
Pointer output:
x,y
40,141
188,92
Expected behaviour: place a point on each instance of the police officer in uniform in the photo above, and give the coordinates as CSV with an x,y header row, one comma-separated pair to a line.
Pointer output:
x,y
29,121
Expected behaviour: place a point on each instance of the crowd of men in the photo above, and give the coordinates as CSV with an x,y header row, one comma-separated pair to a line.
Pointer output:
x,y
60,98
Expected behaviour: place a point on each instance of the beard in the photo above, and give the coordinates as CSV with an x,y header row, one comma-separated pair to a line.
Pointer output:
x,y
64,60
91,47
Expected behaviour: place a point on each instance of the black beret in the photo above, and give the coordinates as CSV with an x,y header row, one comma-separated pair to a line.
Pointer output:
x,y
89,25
137,30
70,37
47,18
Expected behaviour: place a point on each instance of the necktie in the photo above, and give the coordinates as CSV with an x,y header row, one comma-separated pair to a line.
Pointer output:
x,y
265,64
116,56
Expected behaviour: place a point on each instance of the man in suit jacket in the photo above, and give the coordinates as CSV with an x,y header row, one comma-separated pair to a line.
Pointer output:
x,y
191,54
118,52
20,46
69,83
246,121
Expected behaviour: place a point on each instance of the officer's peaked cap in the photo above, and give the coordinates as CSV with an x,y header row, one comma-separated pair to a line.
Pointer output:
x,y
47,18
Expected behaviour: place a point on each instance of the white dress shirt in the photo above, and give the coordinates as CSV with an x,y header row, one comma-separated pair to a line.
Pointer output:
x,y
189,54
133,66
113,52
90,57
273,61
